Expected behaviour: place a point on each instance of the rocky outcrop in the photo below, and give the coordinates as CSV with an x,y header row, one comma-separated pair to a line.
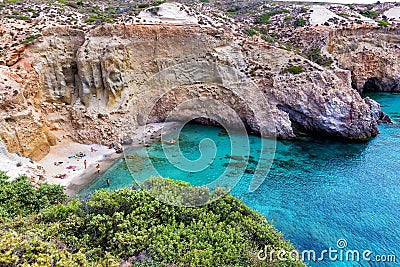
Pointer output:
x,y
377,113
371,54
99,86
15,166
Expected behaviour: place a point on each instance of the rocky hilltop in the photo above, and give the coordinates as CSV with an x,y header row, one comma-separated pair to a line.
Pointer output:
x,y
95,75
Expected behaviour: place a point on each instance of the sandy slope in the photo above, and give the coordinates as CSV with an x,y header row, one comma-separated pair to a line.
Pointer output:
x,y
393,13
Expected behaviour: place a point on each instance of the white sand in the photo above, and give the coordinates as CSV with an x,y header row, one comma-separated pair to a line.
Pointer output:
x,y
8,164
393,13
320,15
76,179
168,13
62,151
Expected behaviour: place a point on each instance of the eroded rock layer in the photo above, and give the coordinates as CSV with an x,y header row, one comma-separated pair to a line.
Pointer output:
x,y
98,86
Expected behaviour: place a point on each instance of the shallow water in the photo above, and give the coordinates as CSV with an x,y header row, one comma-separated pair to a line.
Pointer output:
x,y
316,192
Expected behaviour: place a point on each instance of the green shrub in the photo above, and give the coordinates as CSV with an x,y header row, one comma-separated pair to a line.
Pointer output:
x,y
68,3
300,22
143,5
264,18
314,55
250,32
383,23
99,17
19,197
344,15
369,14
293,70
31,38
287,18
23,18
130,224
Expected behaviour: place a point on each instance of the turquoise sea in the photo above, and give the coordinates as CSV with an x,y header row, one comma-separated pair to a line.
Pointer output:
x,y
316,193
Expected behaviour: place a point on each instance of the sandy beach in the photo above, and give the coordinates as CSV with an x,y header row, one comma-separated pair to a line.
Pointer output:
x,y
62,160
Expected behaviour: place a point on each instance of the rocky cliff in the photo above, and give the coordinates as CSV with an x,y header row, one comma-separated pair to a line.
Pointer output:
x,y
371,54
91,85
99,85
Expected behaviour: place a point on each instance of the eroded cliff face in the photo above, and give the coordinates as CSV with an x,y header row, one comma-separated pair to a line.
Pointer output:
x,y
134,74
371,54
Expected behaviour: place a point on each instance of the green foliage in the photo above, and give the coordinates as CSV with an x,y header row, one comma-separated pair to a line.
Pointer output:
x,y
264,18
18,197
158,2
344,15
31,38
314,55
100,116
287,18
205,1
99,17
383,23
304,9
30,250
300,22
250,32
288,47
143,5
23,17
68,3
293,70
369,14
132,225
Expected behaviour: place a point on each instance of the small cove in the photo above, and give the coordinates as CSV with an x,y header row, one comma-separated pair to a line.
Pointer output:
x,y
317,191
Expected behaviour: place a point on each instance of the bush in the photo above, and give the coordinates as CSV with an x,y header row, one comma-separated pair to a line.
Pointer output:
x,y
31,38
287,18
143,5
19,197
250,32
29,249
314,55
131,225
264,19
293,70
344,15
300,22
369,14
383,23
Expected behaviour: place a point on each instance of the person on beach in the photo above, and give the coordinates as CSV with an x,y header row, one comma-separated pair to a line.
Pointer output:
x,y
85,163
98,168
108,181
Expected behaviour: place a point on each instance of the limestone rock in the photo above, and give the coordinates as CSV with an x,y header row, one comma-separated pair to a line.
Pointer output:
x,y
98,86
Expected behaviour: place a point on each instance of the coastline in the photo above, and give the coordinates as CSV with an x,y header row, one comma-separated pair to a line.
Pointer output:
x,y
78,178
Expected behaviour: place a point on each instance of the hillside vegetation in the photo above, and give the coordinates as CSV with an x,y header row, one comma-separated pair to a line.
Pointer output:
x,y
128,226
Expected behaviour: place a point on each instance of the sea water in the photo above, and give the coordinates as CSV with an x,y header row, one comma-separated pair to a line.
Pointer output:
x,y
321,194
